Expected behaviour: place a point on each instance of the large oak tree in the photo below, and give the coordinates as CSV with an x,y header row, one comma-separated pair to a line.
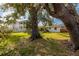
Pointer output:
x,y
63,13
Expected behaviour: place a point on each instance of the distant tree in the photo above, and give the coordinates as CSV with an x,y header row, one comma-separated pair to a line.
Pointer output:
x,y
34,17
20,10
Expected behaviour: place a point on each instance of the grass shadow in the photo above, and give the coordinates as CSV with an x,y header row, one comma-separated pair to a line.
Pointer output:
x,y
42,47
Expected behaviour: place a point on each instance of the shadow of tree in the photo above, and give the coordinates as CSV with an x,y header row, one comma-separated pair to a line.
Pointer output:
x,y
43,47
39,47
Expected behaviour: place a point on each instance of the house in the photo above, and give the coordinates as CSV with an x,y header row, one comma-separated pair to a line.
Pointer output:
x,y
17,27
57,28
54,28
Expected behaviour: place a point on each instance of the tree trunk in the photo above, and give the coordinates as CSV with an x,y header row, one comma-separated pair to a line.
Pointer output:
x,y
72,10
69,20
72,28
34,24
70,23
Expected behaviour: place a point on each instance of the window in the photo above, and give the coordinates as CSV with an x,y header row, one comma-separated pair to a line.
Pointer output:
x,y
55,28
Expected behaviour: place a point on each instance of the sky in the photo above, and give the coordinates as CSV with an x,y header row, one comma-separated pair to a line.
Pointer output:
x,y
55,21
77,8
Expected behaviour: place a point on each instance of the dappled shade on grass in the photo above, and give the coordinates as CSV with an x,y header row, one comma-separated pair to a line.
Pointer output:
x,y
19,44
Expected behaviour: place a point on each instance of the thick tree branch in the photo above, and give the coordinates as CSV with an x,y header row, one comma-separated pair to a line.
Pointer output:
x,y
58,10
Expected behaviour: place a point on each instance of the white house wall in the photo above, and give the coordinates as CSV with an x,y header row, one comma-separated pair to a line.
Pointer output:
x,y
17,27
53,30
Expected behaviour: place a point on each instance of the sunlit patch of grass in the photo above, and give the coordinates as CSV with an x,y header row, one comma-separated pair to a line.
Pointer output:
x,y
20,34
58,36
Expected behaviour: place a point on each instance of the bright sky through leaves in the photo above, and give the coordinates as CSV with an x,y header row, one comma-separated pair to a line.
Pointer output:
x,y
9,11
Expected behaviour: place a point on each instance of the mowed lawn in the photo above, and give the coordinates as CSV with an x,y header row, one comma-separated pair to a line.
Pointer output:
x,y
57,36
21,34
19,44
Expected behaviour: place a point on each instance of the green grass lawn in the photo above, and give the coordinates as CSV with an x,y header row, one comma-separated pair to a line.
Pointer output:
x,y
20,34
58,36
18,44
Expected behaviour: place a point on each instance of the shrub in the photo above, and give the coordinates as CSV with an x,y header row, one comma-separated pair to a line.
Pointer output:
x,y
4,31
